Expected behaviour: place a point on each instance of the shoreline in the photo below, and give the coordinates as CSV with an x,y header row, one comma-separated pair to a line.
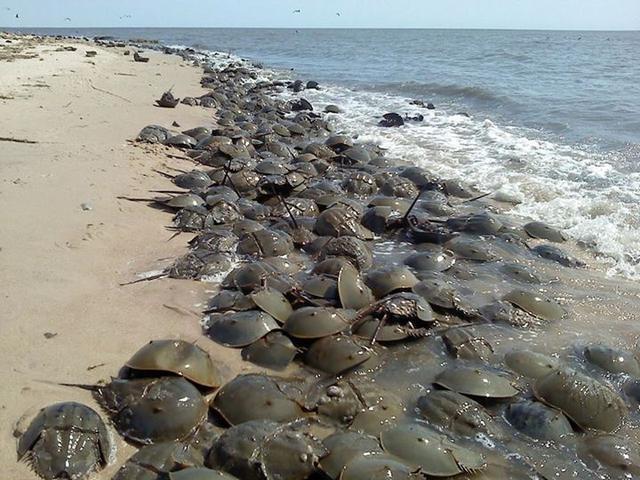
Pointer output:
x,y
67,285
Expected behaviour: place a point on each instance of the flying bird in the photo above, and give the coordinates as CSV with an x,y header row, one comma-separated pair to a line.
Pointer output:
x,y
67,19
297,11
125,16
17,15
338,13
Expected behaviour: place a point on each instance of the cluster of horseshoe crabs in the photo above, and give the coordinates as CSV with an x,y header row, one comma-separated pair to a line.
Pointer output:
x,y
378,298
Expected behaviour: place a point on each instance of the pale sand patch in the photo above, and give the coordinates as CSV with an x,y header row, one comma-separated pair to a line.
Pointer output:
x,y
60,265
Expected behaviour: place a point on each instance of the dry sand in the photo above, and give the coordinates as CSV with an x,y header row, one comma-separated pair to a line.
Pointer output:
x,y
64,317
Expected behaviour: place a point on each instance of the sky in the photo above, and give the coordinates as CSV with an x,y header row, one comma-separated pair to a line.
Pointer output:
x,y
510,14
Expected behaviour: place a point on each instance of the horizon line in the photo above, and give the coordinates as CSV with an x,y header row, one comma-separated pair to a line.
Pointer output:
x,y
513,29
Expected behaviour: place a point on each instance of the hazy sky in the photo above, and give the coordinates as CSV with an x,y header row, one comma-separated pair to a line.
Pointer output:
x,y
534,14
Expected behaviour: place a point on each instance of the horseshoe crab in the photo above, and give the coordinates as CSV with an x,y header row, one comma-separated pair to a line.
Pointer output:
x,y
360,183
613,360
255,397
265,243
275,350
336,354
378,467
227,300
353,292
179,357
65,440
291,453
538,421
344,446
338,222
536,304
455,412
390,279
462,343
476,223
615,452
256,275
351,248
153,462
553,253
476,382
200,474
241,328
471,249
531,364
317,322
520,273
436,259
586,401
543,231
153,410
433,453
272,302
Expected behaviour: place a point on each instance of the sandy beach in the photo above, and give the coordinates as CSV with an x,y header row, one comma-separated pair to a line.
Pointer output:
x,y
64,317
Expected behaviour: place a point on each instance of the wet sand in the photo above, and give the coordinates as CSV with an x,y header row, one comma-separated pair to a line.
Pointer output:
x,y
60,265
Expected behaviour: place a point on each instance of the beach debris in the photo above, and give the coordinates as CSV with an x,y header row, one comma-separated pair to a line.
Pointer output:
x,y
86,206
65,440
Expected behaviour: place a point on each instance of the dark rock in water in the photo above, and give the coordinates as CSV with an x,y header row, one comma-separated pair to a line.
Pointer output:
x,y
431,106
463,114
301,104
419,103
313,85
168,100
391,120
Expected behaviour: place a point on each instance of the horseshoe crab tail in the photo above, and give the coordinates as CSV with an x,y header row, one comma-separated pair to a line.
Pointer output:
x,y
146,279
413,204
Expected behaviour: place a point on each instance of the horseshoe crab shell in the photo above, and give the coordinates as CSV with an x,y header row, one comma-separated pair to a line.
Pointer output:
x,y
275,350
151,461
544,231
179,357
432,453
457,413
586,401
336,354
353,292
200,474
290,453
255,397
241,328
390,279
616,452
65,440
538,421
344,446
317,322
476,382
378,467
153,410
531,364
272,302
435,259
536,304
613,360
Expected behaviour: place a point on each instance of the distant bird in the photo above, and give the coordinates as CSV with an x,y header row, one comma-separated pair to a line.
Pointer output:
x,y
297,11
338,13
125,16
67,19
17,15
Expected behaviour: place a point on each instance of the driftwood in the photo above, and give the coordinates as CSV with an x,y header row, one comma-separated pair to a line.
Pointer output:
x,y
16,140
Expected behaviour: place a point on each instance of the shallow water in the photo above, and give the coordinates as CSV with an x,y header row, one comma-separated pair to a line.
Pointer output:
x,y
553,114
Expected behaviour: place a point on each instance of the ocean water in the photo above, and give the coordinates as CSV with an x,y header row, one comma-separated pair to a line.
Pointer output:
x,y
554,117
